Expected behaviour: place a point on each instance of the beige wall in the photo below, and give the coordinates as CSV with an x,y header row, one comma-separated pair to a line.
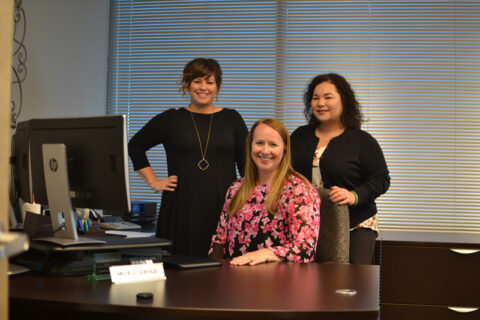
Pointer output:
x,y
67,45
6,34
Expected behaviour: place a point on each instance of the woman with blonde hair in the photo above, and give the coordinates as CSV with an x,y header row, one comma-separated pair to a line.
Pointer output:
x,y
273,213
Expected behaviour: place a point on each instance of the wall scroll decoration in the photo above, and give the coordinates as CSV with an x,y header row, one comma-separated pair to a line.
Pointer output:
x,y
19,67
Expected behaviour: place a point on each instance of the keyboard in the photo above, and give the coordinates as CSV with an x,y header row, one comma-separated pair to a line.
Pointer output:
x,y
119,225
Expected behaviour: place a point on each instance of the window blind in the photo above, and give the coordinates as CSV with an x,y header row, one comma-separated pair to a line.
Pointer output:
x,y
414,65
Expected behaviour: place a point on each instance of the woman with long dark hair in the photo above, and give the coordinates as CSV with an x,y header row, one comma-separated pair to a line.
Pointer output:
x,y
334,153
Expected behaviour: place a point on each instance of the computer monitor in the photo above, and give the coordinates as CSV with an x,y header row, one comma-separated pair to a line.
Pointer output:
x,y
72,162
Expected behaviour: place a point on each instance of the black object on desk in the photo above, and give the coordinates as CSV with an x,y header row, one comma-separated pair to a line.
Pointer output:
x,y
188,262
142,212
46,258
176,261
37,225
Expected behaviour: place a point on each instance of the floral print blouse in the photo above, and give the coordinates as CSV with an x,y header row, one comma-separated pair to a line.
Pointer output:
x,y
291,233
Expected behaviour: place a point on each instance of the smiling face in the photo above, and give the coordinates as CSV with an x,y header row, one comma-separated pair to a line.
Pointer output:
x,y
327,104
268,149
203,90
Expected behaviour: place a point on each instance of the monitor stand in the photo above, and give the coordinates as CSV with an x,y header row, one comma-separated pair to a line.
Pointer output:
x,y
58,194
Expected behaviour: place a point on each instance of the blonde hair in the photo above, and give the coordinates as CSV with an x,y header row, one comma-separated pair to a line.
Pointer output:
x,y
284,171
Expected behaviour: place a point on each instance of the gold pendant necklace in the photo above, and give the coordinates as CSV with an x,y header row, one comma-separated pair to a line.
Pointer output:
x,y
203,164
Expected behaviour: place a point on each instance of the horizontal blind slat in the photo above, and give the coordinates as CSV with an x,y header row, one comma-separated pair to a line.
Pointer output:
x,y
415,66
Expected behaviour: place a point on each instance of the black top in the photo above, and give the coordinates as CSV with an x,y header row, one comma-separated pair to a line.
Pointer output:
x,y
188,216
353,160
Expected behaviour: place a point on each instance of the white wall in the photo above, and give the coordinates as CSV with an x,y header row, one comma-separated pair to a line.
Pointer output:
x,y
67,46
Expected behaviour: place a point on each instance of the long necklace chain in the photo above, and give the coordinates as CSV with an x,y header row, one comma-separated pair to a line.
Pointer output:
x,y
203,164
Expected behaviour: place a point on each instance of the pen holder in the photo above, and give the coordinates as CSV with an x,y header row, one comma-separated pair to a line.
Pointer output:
x,y
93,233
92,230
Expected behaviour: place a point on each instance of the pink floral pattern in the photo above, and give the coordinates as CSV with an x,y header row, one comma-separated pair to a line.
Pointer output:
x,y
291,233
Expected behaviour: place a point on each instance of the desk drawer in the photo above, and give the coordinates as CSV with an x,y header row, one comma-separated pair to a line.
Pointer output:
x,y
429,276
402,312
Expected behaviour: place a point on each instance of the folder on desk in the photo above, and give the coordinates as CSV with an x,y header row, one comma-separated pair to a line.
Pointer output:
x,y
188,262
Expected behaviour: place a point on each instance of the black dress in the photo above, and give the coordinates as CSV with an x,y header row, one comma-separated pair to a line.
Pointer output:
x,y
189,215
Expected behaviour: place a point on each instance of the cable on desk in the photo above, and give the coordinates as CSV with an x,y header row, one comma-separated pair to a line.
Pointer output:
x,y
59,228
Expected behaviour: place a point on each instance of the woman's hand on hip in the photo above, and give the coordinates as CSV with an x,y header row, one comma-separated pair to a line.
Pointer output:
x,y
255,257
167,184
341,196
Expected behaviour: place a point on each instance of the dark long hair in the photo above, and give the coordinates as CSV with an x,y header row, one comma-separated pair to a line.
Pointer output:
x,y
351,115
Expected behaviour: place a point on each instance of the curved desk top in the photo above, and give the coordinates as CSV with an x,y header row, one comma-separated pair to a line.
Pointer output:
x,y
271,290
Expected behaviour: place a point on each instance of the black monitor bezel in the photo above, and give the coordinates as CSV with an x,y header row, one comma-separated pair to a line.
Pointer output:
x,y
111,183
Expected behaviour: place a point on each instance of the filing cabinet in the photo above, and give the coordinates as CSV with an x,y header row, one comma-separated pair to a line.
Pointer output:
x,y
429,276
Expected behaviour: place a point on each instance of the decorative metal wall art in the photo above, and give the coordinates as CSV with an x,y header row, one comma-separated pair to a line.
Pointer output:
x,y
19,67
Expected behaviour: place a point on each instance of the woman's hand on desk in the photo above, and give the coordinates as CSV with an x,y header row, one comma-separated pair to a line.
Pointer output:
x,y
255,257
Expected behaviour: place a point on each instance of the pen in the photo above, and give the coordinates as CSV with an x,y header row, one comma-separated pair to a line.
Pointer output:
x,y
81,225
86,225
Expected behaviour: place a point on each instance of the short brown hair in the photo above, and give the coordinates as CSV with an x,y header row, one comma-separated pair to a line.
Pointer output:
x,y
198,68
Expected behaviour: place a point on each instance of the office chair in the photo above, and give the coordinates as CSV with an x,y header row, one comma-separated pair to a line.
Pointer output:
x,y
334,236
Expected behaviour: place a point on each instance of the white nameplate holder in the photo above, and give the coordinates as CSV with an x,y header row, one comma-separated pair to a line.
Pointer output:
x,y
137,272
32,207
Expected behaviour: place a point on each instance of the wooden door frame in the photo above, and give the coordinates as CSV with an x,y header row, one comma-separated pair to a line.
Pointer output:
x,y
6,42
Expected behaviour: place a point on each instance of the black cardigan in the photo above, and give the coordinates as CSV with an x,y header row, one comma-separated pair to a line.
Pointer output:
x,y
353,160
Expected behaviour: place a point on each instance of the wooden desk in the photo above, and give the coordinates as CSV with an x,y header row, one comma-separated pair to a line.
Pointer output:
x,y
267,291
